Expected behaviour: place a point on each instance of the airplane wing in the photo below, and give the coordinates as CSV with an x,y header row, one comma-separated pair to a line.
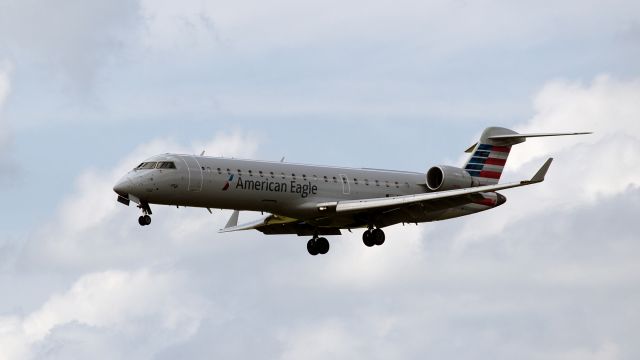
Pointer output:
x,y
406,200
276,224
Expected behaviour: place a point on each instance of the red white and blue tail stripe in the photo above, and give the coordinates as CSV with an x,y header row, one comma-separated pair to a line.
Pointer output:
x,y
487,162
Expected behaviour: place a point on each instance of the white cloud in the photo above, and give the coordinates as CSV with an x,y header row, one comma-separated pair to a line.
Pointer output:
x,y
331,340
127,303
607,106
586,168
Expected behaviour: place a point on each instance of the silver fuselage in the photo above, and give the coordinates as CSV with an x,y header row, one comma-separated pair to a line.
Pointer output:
x,y
286,189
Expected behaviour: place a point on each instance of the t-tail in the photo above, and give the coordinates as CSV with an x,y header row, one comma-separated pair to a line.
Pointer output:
x,y
489,155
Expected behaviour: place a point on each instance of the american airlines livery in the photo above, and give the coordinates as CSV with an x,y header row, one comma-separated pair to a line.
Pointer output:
x,y
311,200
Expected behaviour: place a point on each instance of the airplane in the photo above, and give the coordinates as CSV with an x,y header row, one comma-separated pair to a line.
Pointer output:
x,y
317,201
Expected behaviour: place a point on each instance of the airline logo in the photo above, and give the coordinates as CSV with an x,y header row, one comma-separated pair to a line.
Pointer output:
x,y
488,161
228,183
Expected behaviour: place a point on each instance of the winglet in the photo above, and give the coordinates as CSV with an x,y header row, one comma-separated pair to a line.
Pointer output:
x,y
233,220
539,176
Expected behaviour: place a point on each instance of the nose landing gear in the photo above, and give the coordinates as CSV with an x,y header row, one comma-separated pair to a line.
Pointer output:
x,y
145,219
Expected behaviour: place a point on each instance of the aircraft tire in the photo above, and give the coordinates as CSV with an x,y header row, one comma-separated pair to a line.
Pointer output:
x,y
147,220
312,247
378,236
367,238
142,221
323,245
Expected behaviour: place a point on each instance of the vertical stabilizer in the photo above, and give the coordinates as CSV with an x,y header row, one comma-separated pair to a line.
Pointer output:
x,y
489,156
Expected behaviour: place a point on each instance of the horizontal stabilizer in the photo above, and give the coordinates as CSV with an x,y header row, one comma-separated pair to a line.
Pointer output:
x,y
524,136
506,137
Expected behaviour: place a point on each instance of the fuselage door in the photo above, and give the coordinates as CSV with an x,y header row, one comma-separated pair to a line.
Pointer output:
x,y
346,188
195,173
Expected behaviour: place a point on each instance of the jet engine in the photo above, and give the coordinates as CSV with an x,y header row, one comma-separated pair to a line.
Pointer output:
x,y
444,177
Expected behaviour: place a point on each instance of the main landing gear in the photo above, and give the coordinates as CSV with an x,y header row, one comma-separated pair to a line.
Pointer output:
x,y
373,237
145,219
318,245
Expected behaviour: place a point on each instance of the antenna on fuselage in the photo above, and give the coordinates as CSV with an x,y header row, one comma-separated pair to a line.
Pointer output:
x,y
282,160
202,153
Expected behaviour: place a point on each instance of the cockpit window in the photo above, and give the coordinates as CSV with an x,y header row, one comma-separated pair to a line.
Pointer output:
x,y
147,165
166,165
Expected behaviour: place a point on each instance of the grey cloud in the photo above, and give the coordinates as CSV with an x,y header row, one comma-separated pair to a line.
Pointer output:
x,y
74,37
7,166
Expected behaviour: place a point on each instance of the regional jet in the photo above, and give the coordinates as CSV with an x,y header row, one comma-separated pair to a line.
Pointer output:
x,y
316,201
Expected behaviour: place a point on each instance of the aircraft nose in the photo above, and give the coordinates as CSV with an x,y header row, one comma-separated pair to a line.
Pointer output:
x,y
123,187
501,199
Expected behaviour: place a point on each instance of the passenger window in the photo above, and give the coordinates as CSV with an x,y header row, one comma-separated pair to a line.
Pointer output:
x,y
239,172
377,183
355,181
250,173
386,183
261,174
293,176
304,177
229,172
397,185
335,180
272,175
219,171
283,176
366,182
326,179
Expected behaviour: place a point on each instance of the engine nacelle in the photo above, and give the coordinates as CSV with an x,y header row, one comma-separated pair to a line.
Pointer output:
x,y
444,177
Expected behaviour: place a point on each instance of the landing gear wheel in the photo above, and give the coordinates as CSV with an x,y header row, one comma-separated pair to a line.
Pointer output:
x,y
144,220
367,238
312,247
322,244
378,236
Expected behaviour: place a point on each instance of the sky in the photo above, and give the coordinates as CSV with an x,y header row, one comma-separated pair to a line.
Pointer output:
x,y
88,89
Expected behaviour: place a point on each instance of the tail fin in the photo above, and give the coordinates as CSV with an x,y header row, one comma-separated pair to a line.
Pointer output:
x,y
489,155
